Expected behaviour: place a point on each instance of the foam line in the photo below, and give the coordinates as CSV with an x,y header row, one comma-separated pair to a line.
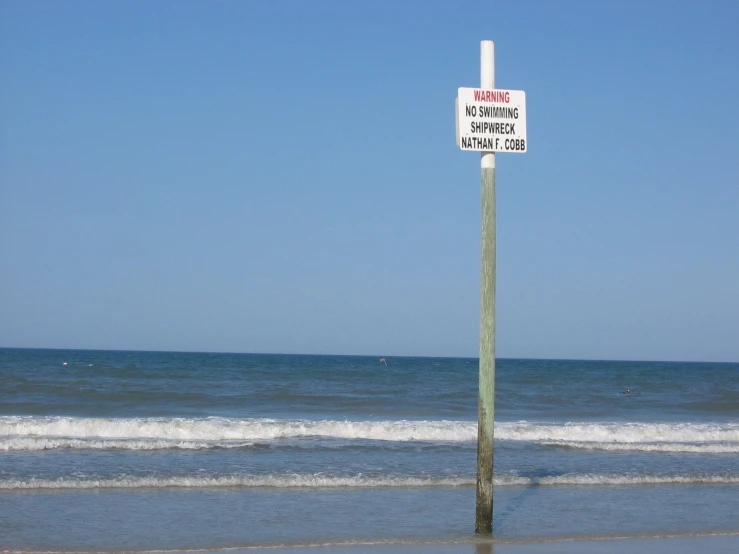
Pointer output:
x,y
357,481
19,433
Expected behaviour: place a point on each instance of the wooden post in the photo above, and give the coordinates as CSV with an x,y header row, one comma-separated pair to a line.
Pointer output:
x,y
486,399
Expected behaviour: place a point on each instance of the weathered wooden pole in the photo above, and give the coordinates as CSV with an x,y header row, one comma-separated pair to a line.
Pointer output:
x,y
486,398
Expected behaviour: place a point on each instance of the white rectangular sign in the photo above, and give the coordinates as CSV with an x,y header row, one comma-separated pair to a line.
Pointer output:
x,y
491,120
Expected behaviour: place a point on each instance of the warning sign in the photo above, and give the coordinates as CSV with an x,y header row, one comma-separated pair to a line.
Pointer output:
x,y
491,120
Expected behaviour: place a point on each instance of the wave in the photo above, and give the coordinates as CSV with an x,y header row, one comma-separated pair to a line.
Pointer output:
x,y
211,430
52,432
717,448
30,444
356,481
42,443
627,433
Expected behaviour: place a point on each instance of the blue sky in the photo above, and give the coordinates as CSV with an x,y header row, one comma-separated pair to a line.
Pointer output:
x,y
283,177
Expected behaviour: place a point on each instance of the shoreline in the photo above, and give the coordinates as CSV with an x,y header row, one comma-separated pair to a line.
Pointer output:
x,y
718,542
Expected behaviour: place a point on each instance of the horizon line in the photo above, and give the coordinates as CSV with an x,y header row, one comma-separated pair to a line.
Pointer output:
x,y
363,355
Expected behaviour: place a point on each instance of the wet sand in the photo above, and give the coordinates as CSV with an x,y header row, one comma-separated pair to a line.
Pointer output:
x,y
716,544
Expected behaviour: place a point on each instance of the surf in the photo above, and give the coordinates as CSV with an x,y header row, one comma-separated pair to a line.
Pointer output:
x,y
322,481
52,432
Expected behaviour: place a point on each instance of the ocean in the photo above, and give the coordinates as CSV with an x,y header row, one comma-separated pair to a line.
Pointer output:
x,y
117,450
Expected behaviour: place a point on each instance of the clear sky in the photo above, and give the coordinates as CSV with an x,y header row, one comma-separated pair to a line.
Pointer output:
x,y
249,176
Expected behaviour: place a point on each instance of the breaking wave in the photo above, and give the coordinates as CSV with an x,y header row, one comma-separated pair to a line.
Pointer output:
x,y
356,481
19,433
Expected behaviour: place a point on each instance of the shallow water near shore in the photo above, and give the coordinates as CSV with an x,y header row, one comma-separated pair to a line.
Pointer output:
x,y
142,451
216,518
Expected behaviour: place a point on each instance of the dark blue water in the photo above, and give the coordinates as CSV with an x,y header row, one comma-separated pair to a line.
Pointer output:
x,y
147,384
195,432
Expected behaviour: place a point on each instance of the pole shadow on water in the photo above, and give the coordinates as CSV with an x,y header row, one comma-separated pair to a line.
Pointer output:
x,y
512,506
515,503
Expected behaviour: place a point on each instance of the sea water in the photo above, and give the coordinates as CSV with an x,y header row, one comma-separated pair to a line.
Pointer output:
x,y
159,450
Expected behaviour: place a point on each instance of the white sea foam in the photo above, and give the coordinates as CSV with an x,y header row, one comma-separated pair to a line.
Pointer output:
x,y
231,481
357,481
627,433
37,433
43,443
212,430
695,438
599,480
706,448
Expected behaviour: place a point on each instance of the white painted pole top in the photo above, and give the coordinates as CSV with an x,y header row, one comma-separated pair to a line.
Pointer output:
x,y
487,82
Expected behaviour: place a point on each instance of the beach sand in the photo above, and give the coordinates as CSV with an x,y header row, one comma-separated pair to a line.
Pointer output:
x,y
715,544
